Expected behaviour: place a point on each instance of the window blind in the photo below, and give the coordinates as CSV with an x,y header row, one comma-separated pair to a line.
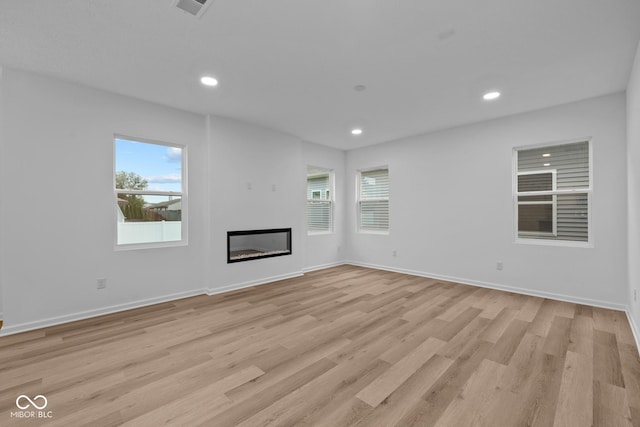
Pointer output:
x,y
374,200
319,203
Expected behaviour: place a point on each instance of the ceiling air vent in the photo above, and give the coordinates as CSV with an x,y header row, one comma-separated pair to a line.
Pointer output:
x,y
193,7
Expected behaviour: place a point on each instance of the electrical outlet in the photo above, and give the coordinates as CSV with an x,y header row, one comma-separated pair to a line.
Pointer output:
x,y
101,283
499,265
394,253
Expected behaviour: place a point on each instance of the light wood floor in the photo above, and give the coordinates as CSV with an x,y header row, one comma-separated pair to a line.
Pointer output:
x,y
337,347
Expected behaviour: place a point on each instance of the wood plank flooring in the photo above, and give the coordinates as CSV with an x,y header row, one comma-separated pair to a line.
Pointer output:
x,y
346,346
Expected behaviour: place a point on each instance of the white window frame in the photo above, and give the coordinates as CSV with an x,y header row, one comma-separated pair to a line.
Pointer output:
x,y
329,192
590,243
359,228
553,202
184,241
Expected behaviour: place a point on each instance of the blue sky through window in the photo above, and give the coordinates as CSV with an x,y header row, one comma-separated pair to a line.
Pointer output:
x,y
160,165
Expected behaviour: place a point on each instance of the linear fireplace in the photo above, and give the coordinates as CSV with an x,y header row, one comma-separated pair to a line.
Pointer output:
x,y
247,245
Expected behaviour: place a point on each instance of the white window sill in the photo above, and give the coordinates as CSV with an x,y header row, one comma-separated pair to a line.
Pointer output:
x,y
559,243
150,245
319,233
381,233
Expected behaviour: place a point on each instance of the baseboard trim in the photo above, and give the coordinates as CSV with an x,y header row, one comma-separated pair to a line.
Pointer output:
x,y
634,329
53,321
523,291
322,266
249,284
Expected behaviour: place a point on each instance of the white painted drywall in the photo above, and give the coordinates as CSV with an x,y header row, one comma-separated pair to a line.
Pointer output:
x,y
452,211
326,249
633,164
257,181
451,206
58,215
2,178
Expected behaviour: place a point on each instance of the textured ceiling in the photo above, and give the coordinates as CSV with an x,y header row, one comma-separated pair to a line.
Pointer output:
x,y
292,65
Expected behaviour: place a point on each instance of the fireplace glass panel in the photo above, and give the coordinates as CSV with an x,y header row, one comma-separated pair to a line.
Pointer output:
x,y
248,245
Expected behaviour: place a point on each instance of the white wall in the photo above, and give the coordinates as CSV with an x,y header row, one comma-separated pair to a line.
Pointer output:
x,y
242,156
633,163
327,249
452,214
2,202
451,202
56,167
58,214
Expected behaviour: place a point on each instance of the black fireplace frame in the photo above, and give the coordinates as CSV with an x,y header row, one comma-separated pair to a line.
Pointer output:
x,y
254,232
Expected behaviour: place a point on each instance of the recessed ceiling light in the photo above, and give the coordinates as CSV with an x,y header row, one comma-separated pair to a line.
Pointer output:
x,y
209,81
356,131
491,95
546,155
547,164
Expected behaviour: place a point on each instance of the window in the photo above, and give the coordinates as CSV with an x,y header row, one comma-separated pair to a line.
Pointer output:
x,y
537,214
373,200
149,182
319,202
553,192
